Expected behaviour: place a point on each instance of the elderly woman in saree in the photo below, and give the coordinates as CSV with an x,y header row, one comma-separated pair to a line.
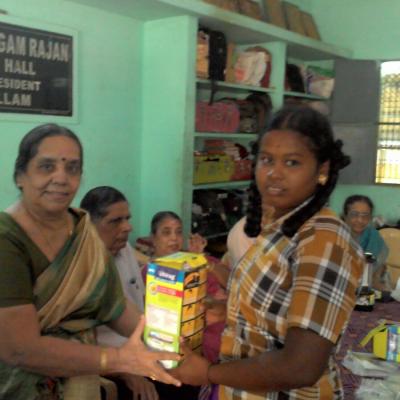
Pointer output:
x,y
58,282
358,212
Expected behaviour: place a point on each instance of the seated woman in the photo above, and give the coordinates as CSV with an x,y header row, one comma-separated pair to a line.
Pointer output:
x,y
357,212
58,282
167,238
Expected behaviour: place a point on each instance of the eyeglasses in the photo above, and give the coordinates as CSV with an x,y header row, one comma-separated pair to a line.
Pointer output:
x,y
356,214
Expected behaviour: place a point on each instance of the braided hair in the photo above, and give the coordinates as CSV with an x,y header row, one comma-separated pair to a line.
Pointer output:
x,y
314,126
252,226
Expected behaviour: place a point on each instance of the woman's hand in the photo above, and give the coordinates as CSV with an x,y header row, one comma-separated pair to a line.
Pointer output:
x,y
215,310
220,271
193,369
142,388
197,243
135,358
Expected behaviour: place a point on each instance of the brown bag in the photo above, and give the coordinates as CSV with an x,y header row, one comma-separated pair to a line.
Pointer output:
x,y
202,54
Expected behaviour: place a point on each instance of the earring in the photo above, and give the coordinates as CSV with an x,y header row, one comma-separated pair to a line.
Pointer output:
x,y
322,180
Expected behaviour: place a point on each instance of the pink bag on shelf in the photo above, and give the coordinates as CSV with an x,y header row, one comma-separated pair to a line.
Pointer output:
x,y
221,116
242,170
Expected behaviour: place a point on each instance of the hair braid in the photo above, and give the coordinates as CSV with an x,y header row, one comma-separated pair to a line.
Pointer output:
x,y
252,226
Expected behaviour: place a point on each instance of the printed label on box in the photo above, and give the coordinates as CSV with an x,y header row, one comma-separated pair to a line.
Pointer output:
x,y
175,288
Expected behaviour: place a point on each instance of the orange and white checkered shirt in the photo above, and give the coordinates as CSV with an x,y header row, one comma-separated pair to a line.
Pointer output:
x,y
307,281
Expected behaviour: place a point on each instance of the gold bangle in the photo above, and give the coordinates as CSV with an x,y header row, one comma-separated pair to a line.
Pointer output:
x,y
103,360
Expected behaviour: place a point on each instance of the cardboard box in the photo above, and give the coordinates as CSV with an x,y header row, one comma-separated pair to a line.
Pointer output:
x,y
293,18
229,5
274,13
175,288
310,28
250,8
385,341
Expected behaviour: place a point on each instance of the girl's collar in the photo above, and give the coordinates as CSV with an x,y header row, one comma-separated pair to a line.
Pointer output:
x,y
273,224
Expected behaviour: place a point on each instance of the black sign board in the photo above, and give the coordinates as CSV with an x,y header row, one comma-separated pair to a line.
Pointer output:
x,y
35,71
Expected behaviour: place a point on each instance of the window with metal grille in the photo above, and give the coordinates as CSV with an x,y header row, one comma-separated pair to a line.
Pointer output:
x,y
388,151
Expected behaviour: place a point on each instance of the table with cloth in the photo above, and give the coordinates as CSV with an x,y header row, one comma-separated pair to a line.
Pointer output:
x,y
361,322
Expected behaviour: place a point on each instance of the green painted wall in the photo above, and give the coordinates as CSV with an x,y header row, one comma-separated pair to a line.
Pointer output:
x,y
385,198
108,52
168,115
372,30
369,27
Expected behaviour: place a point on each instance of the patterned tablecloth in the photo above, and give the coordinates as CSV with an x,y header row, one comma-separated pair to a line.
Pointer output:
x,y
360,324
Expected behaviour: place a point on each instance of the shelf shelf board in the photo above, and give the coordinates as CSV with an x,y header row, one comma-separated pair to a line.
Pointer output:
x,y
238,28
233,86
222,185
305,96
225,136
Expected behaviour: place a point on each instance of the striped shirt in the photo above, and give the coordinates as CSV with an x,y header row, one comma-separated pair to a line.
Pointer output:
x,y
307,281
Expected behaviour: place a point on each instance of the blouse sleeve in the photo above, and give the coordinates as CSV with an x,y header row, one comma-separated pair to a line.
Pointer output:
x,y
326,274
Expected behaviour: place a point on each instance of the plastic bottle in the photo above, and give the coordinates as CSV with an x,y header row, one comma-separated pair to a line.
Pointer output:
x,y
365,294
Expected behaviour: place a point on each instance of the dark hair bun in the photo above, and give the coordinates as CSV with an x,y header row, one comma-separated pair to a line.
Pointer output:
x,y
340,159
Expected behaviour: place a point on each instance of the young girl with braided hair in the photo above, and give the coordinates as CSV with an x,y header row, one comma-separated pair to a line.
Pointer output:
x,y
292,293
325,149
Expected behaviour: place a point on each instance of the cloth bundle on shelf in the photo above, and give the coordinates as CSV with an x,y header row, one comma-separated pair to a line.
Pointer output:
x,y
253,67
319,81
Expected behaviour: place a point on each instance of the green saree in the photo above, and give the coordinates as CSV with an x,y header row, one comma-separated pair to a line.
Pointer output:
x,y
79,290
